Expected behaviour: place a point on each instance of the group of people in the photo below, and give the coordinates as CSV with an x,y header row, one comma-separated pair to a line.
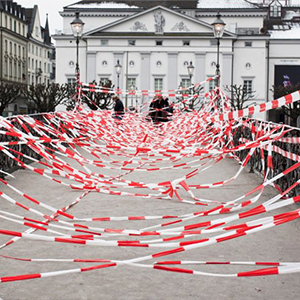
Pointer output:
x,y
160,109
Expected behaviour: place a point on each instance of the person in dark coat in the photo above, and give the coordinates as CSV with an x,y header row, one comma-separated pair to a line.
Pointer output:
x,y
118,108
158,105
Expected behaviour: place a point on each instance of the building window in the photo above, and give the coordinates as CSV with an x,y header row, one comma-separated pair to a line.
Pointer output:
x,y
186,43
15,70
131,82
19,71
104,80
104,42
159,43
36,31
10,69
248,86
185,82
212,84
29,63
158,84
248,44
275,10
71,80
6,67
131,42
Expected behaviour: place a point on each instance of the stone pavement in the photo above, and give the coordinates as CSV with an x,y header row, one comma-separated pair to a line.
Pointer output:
x,y
131,283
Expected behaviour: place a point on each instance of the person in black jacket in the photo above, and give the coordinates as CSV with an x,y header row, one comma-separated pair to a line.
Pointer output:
x,y
118,108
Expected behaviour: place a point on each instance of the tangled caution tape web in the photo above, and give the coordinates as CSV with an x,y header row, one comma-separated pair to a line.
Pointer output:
x,y
82,149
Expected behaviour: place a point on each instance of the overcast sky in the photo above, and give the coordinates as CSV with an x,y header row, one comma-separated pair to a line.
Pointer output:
x,y
52,7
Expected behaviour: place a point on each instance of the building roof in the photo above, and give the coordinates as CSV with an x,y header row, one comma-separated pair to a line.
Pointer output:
x,y
30,14
225,4
292,33
13,8
131,4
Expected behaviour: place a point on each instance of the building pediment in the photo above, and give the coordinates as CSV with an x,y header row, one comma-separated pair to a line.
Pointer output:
x,y
158,20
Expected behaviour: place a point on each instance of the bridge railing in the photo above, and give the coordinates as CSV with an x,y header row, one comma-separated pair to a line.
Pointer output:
x,y
285,149
285,152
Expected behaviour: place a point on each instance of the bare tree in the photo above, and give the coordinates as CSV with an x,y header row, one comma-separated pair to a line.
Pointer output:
x,y
8,94
94,100
103,99
238,96
44,98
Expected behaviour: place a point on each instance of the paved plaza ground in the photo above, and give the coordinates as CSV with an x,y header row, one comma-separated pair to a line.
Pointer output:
x,y
131,283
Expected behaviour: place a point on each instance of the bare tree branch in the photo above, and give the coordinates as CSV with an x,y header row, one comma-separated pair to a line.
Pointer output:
x,y
238,96
9,92
44,98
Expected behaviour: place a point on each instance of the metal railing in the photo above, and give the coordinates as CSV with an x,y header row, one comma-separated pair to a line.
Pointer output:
x,y
282,157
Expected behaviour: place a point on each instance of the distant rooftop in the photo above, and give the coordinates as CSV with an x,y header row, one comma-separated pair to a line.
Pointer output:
x,y
128,4
230,4
187,4
97,5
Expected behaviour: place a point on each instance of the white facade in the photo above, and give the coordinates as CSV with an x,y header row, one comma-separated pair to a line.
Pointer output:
x,y
131,38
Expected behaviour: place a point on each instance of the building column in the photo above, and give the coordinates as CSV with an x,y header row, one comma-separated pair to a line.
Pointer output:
x,y
200,74
91,66
226,69
145,71
172,75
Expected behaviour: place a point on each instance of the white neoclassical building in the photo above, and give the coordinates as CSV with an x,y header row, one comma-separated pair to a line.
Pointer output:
x,y
154,41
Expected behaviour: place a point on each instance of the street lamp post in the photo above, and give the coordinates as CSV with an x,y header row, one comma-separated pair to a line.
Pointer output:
x,y
218,26
118,68
191,70
132,87
77,28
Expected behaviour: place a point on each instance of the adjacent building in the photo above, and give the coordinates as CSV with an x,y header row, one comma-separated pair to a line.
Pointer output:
x,y
155,41
40,49
27,55
13,43
13,50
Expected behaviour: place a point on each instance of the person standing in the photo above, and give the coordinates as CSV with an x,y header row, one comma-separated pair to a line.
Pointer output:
x,y
118,108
